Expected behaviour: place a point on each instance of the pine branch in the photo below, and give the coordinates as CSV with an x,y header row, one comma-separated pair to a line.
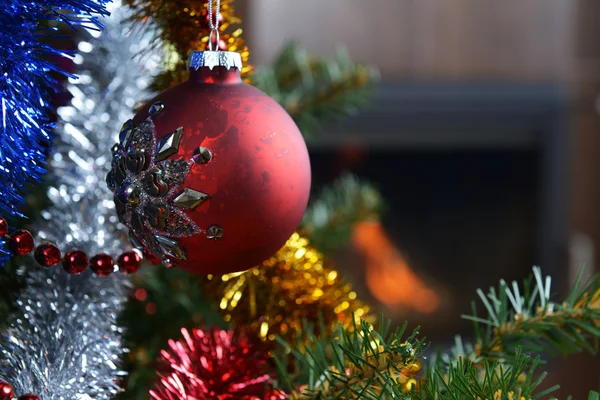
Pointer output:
x,y
360,362
329,219
526,316
313,90
371,363
492,379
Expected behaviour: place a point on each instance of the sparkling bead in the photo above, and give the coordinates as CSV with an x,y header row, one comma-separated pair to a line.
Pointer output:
x,y
75,262
129,262
102,264
202,155
156,108
20,242
6,391
214,232
3,227
28,396
47,255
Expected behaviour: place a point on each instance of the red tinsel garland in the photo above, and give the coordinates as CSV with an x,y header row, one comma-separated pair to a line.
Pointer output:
x,y
213,364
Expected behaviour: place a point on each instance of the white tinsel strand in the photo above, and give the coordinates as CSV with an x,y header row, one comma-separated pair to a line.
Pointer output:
x,y
63,342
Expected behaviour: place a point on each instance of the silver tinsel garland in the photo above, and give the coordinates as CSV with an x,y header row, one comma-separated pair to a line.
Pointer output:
x,y
63,342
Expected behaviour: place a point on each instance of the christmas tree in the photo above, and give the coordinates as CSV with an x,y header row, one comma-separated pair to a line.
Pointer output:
x,y
89,316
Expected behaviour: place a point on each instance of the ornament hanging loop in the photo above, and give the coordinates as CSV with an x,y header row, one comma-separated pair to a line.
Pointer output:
x,y
214,24
213,34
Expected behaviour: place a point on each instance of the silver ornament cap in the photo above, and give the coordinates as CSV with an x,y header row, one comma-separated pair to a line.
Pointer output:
x,y
211,59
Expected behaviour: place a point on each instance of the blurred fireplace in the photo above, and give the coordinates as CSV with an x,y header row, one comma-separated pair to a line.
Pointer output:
x,y
474,179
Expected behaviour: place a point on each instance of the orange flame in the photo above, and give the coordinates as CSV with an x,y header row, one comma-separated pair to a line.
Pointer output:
x,y
388,275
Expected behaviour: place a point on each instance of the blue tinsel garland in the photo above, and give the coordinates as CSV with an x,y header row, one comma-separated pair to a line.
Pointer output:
x,y
26,87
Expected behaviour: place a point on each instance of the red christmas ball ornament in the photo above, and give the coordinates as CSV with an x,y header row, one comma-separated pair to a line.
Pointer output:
x,y
6,391
20,242
47,255
102,264
129,262
3,227
214,176
75,262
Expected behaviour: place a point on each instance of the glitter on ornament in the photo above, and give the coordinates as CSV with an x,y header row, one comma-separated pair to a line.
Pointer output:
x,y
295,284
213,365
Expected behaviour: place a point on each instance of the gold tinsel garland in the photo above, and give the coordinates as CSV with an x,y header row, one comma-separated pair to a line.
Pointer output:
x,y
183,26
295,285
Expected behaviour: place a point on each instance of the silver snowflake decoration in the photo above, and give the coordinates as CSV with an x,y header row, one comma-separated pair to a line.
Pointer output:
x,y
147,183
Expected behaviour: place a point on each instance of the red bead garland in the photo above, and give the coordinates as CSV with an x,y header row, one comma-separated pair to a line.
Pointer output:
x,y
75,262
3,227
47,255
20,242
129,262
102,264
6,391
28,396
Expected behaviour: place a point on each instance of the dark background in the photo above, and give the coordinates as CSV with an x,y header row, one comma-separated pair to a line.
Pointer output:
x,y
483,137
